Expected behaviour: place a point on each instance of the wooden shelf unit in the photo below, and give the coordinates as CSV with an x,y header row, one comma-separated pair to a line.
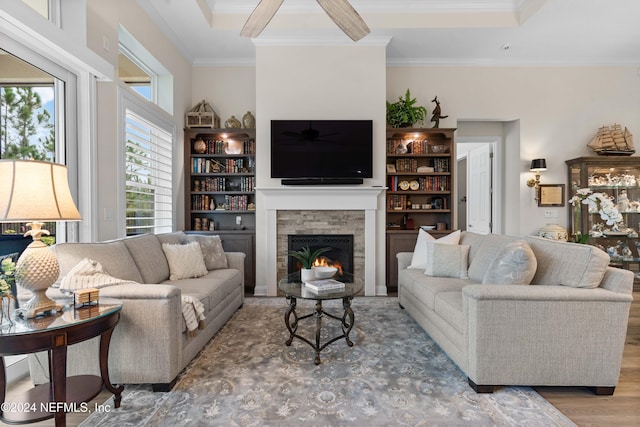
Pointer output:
x,y
430,192
225,174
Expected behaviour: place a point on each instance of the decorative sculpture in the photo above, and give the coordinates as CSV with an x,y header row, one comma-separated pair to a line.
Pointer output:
x,y
437,115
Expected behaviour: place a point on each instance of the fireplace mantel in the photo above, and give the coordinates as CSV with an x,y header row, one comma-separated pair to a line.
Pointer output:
x,y
321,197
360,198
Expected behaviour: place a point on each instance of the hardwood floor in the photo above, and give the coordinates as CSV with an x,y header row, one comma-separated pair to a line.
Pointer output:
x,y
578,403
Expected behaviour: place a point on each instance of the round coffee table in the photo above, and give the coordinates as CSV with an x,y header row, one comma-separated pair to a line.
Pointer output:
x,y
293,288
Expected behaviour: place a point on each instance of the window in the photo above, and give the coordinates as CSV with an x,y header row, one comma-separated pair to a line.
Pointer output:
x,y
147,138
132,73
31,117
148,176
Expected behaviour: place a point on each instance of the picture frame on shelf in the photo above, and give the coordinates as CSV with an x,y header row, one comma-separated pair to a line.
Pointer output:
x,y
551,195
391,168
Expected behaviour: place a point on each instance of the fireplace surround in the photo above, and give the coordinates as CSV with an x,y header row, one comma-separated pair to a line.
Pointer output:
x,y
322,210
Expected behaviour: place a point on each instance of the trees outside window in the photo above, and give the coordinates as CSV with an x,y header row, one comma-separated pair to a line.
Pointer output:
x,y
26,125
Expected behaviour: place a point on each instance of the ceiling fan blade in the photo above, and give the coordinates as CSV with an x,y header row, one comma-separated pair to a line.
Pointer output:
x,y
346,17
260,17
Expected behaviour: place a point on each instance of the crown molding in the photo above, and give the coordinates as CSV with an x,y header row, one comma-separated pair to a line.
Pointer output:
x,y
245,7
480,62
320,41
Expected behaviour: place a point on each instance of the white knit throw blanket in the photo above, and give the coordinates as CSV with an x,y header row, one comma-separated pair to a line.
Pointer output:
x,y
89,273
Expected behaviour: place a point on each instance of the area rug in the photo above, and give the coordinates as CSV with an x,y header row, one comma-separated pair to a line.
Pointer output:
x,y
394,375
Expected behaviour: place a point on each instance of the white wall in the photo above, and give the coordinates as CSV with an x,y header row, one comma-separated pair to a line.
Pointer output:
x,y
318,82
552,113
103,20
231,91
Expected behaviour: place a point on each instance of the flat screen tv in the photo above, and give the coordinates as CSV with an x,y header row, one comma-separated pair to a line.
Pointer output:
x,y
321,151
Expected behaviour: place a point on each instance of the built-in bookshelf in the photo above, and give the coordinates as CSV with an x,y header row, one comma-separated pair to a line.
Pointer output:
x,y
220,184
420,177
220,189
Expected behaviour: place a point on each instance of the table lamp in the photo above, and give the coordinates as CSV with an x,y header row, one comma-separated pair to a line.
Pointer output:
x,y
34,191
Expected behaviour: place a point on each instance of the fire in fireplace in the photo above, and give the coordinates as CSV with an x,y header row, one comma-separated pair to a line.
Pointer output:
x,y
340,255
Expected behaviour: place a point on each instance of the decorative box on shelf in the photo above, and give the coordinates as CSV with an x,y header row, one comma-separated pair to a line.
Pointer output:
x,y
202,116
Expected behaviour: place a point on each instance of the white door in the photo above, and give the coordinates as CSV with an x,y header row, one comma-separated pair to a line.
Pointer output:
x,y
479,189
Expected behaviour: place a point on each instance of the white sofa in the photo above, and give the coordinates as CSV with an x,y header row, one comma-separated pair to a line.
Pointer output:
x,y
151,344
567,328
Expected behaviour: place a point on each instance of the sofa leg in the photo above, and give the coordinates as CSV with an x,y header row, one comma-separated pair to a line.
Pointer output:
x,y
401,306
163,387
603,391
481,388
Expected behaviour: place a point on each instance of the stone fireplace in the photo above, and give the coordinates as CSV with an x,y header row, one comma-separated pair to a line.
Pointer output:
x,y
340,254
325,211
325,226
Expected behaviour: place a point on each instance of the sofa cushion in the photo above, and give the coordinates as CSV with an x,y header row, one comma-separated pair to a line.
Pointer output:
x,y
146,251
113,256
448,305
173,238
212,251
445,260
419,258
425,288
211,288
185,261
515,265
568,264
486,252
472,239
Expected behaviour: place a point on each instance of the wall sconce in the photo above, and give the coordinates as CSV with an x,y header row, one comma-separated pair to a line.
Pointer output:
x,y
537,166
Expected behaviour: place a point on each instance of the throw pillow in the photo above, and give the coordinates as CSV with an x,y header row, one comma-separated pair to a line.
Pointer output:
x,y
212,251
185,261
515,265
447,260
419,258
89,273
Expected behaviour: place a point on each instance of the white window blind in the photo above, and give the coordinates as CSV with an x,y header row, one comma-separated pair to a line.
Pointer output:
x,y
148,177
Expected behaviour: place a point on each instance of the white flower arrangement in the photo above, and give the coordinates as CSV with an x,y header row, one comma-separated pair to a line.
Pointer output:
x,y
600,203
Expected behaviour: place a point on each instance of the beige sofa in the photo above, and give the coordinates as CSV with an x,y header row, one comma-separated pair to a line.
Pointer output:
x,y
567,328
151,344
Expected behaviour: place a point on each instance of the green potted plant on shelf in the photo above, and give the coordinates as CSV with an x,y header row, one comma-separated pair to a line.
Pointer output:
x,y
405,112
307,257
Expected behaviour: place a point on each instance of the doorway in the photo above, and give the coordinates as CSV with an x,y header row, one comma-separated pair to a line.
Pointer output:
x,y
478,188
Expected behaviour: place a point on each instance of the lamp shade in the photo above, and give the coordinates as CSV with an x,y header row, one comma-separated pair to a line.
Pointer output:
x,y
35,191
538,165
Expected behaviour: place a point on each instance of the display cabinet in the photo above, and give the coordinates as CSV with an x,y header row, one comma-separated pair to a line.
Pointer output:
x,y
619,179
420,180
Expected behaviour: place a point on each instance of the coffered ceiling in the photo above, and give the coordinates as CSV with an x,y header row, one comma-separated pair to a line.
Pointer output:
x,y
430,32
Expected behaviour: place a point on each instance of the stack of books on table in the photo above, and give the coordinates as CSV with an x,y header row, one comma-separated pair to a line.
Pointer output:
x,y
324,285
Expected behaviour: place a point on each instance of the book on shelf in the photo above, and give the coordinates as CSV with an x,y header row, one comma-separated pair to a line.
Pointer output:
x,y
324,285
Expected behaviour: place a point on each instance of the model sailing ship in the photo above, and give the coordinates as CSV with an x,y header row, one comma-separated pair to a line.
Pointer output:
x,y
612,141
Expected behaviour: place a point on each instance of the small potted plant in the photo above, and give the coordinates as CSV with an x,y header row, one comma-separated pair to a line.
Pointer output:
x,y
306,257
404,112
